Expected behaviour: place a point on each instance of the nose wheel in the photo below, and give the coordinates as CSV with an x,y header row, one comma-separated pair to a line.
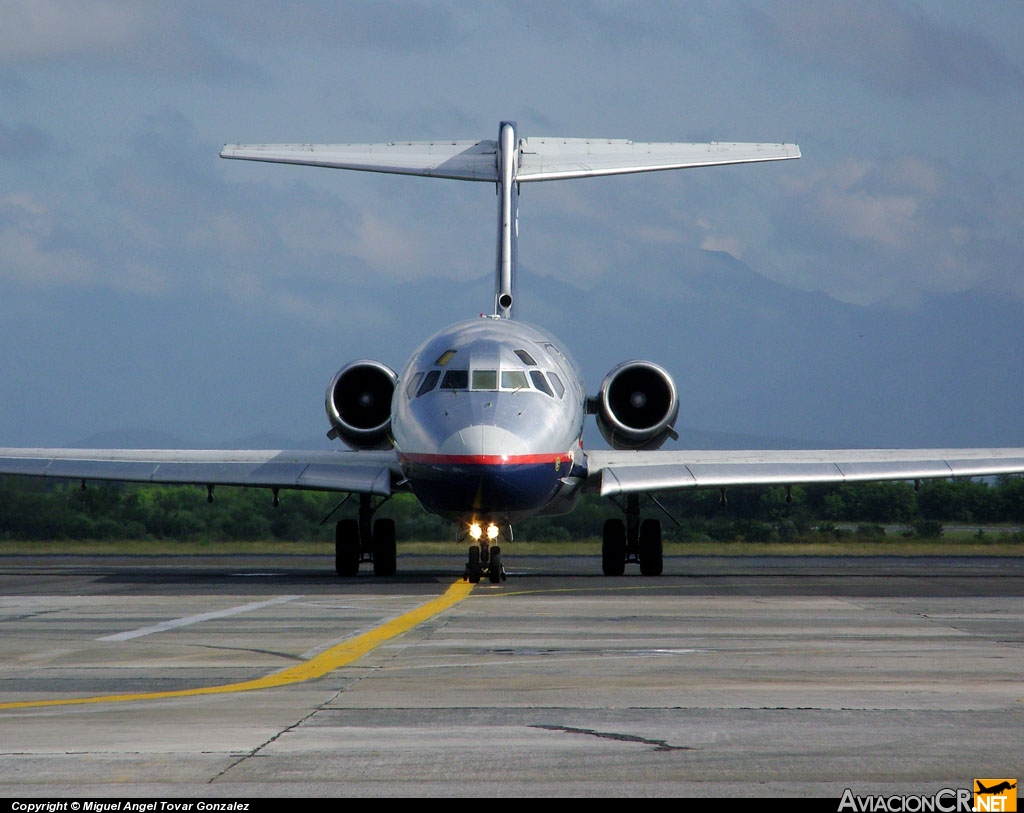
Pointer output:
x,y
484,560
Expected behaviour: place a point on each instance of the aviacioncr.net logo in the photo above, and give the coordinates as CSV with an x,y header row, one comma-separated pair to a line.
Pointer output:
x,y
947,800
995,795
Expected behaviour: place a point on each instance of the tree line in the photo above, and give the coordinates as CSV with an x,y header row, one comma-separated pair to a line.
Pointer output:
x,y
36,509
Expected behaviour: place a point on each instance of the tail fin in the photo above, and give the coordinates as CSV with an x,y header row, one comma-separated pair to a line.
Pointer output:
x,y
508,162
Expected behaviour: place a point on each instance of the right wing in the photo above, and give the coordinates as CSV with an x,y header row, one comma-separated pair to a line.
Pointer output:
x,y
624,472
360,472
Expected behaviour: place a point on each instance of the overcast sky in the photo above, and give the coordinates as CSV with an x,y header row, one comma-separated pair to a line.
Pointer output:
x,y
147,284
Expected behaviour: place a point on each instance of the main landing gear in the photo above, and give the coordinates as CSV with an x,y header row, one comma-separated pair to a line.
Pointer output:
x,y
484,560
365,539
632,541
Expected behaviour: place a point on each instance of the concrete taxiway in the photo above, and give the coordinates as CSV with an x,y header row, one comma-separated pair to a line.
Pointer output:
x,y
745,676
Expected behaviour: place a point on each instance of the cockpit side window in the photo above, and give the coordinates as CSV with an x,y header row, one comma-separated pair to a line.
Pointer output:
x,y
429,382
552,349
537,377
526,358
414,382
455,380
485,379
556,382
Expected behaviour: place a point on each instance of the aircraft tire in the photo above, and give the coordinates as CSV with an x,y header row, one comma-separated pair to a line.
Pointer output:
x,y
473,568
346,547
385,552
494,572
650,548
613,548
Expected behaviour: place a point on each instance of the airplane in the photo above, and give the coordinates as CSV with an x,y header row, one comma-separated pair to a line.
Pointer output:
x,y
485,423
995,789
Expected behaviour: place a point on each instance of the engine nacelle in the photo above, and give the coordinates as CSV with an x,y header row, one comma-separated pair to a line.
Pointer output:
x,y
358,404
637,406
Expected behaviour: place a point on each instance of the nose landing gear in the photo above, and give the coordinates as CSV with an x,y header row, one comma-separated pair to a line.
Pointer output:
x,y
484,560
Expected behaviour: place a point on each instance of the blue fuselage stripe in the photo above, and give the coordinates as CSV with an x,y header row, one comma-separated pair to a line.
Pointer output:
x,y
463,490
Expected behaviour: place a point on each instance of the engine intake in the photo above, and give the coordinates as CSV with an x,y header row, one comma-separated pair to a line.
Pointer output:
x,y
358,404
637,406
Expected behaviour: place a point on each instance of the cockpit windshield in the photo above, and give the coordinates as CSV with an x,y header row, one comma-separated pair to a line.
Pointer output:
x,y
513,380
537,377
485,379
455,380
522,373
429,382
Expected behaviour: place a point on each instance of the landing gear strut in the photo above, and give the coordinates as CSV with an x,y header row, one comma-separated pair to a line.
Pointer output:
x,y
365,540
632,541
484,560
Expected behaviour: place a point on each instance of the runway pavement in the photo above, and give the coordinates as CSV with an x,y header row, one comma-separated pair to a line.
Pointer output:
x,y
243,677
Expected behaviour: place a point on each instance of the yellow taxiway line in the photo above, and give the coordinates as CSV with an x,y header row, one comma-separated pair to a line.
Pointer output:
x,y
334,658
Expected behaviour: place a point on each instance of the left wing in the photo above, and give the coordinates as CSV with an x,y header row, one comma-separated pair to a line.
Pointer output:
x,y
361,472
624,472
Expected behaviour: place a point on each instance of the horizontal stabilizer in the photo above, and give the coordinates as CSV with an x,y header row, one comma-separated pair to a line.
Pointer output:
x,y
459,160
508,162
551,159
539,159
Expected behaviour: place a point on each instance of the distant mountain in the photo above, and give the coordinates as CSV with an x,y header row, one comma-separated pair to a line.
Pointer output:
x,y
702,439
756,363
754,357
132,439
155,439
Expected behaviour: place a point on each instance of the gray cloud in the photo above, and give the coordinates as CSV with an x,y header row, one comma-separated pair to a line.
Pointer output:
x,y
157,37
387,25
23,141
891,46
119,223
874,229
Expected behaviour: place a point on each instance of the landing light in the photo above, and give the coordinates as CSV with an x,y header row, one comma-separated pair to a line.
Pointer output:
x,y
476,531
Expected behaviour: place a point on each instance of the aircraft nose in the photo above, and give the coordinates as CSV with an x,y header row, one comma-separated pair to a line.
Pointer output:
x,y
484,439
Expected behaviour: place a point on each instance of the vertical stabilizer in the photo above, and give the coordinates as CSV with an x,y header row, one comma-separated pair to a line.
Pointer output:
x,y
508,162
508,219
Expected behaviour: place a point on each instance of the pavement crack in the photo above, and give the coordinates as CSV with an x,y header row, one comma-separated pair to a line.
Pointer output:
x,y
255,751
659,745
26,616
288,656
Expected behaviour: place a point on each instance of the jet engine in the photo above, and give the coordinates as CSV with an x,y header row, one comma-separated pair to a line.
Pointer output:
x,y
358,404
637,406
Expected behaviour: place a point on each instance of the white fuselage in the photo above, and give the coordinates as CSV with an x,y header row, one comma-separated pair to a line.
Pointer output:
x,y
487,418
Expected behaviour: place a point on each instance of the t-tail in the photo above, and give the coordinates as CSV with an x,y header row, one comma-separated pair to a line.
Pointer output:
x,y
509,161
